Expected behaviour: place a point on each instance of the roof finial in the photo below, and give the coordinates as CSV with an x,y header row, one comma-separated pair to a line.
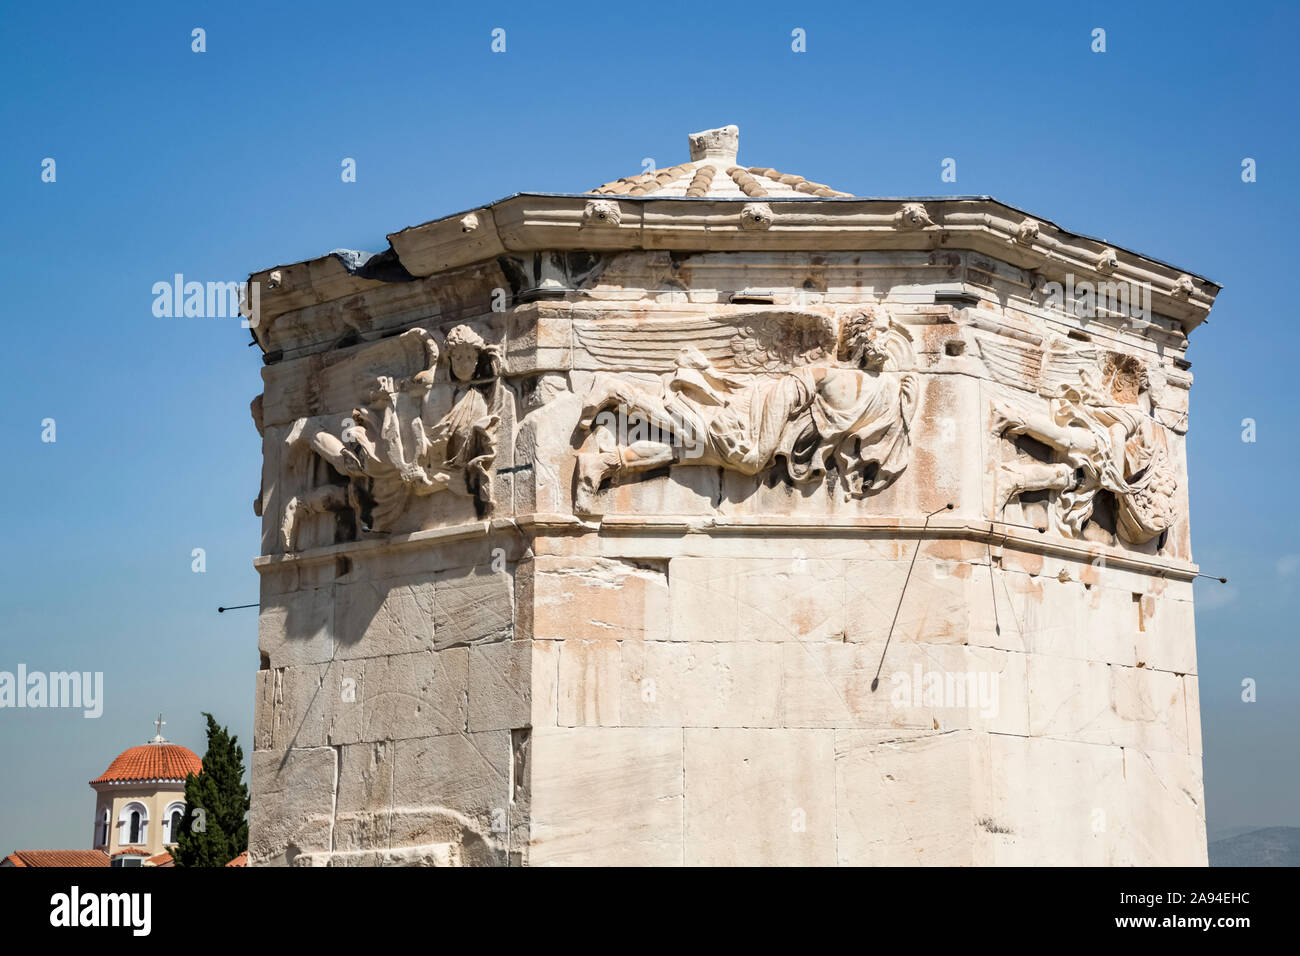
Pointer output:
x,y
721,144
159,724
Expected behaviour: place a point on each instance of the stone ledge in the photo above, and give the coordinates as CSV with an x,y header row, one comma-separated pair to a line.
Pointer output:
x,y
271,562
997,533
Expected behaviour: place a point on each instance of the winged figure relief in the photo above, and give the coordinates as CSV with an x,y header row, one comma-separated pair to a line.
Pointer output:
x,y
1101,437
391,447
801,388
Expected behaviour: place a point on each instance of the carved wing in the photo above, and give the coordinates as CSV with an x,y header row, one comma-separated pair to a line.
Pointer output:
x,y
1064,363
1011,362
774,340
648,345
759,340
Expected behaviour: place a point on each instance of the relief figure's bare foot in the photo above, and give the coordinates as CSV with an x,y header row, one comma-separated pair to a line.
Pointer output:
x,y
593,468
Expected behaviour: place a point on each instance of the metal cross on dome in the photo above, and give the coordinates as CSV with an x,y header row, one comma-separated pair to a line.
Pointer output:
x,y
159,724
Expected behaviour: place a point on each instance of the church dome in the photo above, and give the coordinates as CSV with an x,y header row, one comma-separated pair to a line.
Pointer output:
x,y
159,759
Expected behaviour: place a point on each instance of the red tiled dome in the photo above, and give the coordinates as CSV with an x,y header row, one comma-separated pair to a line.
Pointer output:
x,y
151,762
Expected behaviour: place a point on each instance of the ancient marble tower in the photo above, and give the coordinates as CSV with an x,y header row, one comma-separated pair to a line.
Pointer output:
x,y
717,516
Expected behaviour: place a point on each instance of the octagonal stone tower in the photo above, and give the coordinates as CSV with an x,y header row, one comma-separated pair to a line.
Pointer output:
x,y
719,517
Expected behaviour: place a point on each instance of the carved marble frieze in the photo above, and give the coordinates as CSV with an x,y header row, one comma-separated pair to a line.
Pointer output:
x,y
806,391
395,446
1097,412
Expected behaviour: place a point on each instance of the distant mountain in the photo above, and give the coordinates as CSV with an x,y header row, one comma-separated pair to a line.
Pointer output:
x,y
1216,835
1271,846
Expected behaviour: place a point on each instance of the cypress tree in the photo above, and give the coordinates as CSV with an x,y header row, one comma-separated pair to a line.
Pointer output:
x,y
219,833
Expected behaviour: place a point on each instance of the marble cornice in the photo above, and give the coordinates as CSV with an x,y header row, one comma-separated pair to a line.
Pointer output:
x,y
539,222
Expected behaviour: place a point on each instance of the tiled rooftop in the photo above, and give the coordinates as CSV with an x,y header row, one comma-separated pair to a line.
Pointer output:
x,y
151,761
713,173
58,858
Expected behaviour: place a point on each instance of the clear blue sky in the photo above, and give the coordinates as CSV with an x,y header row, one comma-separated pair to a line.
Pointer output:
x,y
220,163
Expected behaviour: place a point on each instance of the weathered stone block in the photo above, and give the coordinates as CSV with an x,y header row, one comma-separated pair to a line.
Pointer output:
x,y
920,687
590,684
383,617
935,600
365,796
298,627
1100,703
295,807
676,684
544,664
380,698
721,599
414,695
1164,819
760,797
472,606
500,686
1048,802
611,796
453,788
599,599
905,799
1166,639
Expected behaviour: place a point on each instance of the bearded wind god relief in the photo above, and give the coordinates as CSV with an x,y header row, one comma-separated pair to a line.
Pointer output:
x,y
804,392
1102,429
395,446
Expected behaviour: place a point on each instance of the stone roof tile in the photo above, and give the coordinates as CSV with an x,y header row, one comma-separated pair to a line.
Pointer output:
x,y
710,150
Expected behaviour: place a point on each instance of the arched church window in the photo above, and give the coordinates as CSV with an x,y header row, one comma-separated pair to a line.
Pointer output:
x,y
172,822
134,824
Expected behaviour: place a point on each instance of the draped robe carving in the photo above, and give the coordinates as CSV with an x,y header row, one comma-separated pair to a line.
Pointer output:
x,y
850,415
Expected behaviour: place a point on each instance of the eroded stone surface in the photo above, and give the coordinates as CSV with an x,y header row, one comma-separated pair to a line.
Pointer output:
x,y
628,784
760,797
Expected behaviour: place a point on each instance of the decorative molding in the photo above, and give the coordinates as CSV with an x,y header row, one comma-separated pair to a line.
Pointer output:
x,y
756,216
1028,232
913,215
602,212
